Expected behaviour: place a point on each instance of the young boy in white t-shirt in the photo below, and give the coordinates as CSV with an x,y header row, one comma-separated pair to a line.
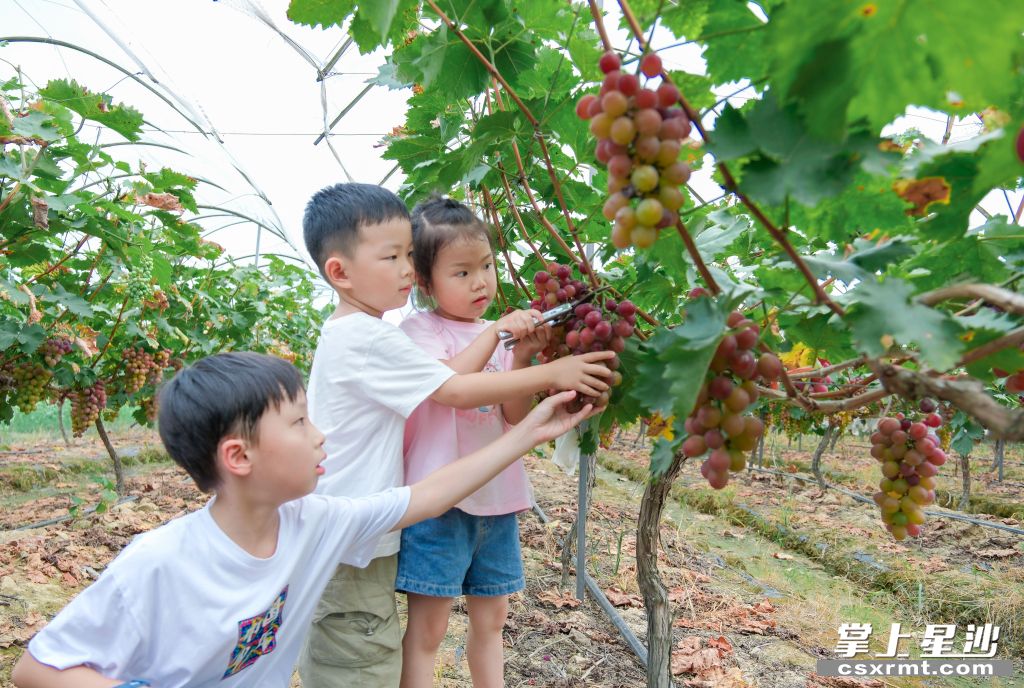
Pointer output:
x,y
367,378
224,595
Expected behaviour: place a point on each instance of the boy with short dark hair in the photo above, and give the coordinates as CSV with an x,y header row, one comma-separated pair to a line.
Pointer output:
x,y
367,378
224,596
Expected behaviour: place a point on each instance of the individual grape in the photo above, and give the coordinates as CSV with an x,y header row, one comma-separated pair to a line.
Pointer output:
x,y
677,173
583,106
614,103
650,65
648,122
601,125
645,178
645,99
671,197
622,131
647,148
643,236
629,84
668,94
610,62
620,165
648,212
614,204
669,152
769,366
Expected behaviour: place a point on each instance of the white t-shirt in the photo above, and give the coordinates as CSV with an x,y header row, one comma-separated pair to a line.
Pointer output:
x,y
184,605
367,378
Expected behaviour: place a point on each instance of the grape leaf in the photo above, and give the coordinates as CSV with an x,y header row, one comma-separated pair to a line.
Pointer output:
x,y
850,60
885,314
99,107
735,39
325,13
983,327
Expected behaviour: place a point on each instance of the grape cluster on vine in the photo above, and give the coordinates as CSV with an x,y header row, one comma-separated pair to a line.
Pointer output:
x,y
720,424
54,349
141,367
86,405
640,133
29,380
909,453
150,407
602,324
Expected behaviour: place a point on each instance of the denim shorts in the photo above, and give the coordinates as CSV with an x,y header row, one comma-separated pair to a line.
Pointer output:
x,y
461,554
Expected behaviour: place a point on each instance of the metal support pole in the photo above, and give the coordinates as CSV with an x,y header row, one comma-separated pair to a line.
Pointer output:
x,y
598,595
581,527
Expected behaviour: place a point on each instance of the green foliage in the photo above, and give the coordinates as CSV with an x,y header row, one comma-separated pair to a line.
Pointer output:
x,y
99,261
877,220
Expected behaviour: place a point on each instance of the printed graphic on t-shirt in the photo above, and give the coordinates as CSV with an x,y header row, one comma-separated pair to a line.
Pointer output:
x,y
257,636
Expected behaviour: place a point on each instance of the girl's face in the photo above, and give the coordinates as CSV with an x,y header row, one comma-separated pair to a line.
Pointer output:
x,y
463,281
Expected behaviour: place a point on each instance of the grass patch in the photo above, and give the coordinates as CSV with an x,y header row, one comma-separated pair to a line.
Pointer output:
x,y
42,423
29,477
942,597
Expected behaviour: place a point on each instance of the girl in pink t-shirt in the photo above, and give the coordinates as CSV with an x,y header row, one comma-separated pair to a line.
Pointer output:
x,y
473,549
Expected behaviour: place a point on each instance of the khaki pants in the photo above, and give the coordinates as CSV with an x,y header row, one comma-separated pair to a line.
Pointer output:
x,y
356,639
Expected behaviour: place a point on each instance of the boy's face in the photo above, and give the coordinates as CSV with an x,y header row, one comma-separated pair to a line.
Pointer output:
x,y
286,457
379,272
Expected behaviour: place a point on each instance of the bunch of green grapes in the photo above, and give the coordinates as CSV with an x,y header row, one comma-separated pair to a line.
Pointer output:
x,y
29,381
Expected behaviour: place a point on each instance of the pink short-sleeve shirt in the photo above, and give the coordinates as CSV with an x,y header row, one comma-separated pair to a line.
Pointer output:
x,y
436,435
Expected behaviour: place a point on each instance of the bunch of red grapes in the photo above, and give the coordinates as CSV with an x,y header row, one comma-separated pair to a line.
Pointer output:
x,y
86,405
601,324
640,132
54,349
142,367
720,425
910,454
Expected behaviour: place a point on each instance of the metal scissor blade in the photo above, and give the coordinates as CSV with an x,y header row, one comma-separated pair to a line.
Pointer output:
x,y
554,316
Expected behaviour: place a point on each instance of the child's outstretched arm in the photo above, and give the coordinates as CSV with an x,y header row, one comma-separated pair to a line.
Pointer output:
x,y
31,673
449,485
474,357
516,408
582,373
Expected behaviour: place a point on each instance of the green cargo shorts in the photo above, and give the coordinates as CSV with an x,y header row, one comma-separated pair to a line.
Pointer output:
x,y
356,639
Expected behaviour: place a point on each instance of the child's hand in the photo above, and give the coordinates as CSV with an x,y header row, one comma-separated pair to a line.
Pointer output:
x,y
549,419
531,345
582,372
519,323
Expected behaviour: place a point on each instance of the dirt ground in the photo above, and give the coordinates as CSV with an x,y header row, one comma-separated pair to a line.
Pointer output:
x,y
747,611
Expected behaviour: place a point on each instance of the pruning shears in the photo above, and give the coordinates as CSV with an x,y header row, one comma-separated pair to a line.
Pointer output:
x,y
556,316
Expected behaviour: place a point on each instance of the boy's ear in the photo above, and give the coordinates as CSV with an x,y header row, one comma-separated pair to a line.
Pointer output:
x,y
232,457
336,270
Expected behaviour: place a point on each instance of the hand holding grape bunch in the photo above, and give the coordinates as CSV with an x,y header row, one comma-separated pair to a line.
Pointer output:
x,y
602,324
